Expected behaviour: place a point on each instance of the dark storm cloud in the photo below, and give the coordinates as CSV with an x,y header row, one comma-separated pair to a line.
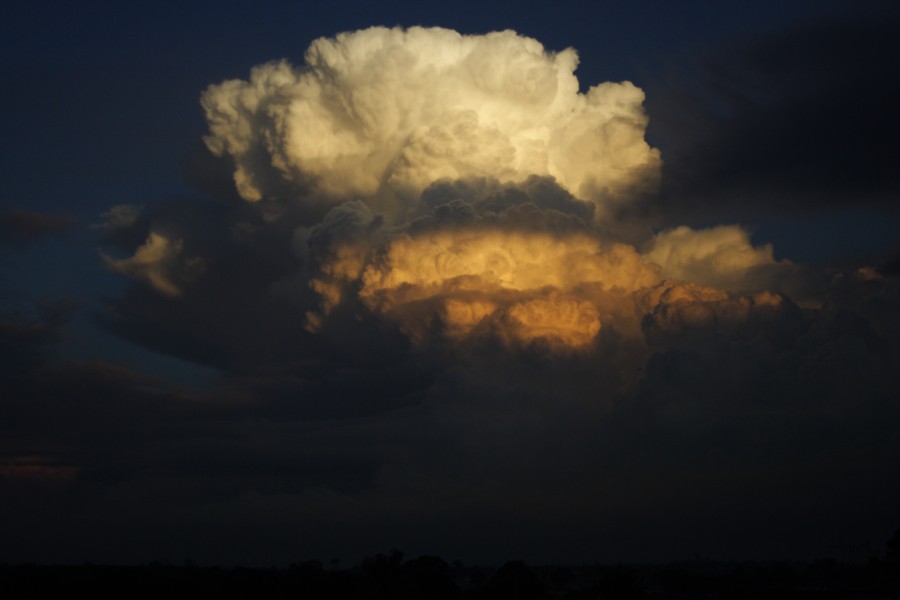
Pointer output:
x,y
792,121
567,398
29,333
107,434
424,398
241,306
19,226
739,431
490,196
226,314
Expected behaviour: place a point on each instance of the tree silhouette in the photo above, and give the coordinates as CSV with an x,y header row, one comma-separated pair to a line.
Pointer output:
x,y
515,581
893,546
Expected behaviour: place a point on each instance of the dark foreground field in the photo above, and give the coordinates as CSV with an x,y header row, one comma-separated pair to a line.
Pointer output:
x,y
427,577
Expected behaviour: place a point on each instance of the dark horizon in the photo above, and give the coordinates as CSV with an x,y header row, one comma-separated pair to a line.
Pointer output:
x,y
393,575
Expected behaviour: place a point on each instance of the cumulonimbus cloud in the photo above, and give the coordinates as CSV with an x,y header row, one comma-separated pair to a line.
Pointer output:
x,y
466,175
398,109
469,341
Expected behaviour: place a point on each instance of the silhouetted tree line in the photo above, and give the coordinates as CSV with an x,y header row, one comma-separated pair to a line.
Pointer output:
x,y
389,576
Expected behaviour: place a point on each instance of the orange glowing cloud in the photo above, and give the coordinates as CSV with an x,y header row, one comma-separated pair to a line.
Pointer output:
x,y
526,284
520,285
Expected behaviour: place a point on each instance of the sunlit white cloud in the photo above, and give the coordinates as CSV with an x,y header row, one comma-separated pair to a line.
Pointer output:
x,y
721,256
393,109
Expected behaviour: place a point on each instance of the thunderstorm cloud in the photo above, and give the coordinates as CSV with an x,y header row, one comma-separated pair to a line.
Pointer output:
x,y
416,197
411,274
466,177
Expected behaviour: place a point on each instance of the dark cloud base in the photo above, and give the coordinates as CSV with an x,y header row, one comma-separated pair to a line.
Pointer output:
x,y
795,121
773,440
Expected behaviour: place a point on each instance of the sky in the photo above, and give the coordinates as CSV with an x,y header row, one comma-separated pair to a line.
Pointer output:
x,y
568,283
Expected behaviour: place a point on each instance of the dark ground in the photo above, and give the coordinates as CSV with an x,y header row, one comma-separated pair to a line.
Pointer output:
x,y
428,577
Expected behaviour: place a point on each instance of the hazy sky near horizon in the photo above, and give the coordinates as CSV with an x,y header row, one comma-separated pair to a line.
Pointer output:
x,y
590,282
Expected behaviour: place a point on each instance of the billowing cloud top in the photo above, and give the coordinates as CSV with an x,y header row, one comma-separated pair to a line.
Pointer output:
x,y
400,109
